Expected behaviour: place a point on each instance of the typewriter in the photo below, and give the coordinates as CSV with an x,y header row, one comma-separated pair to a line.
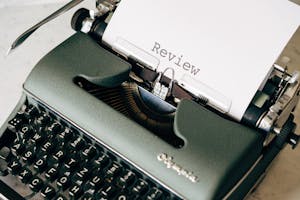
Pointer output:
x,y
112,113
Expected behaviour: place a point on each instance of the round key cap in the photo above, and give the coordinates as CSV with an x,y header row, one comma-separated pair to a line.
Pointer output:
x,y
126,179
71,163
51,174
14,167
140,187
36,184
48,147
96,181
48,192
42,119
77,143
63,182
88,152
58,156
29,155
154,194
25,175
18,148
75,191
31,112
40,165
65,135
54,128
26,131
109,191
101,161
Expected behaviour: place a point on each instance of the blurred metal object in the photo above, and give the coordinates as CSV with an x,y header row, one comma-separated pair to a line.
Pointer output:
x,y
105,6
160,89
279,112
85,20
31,30
293,140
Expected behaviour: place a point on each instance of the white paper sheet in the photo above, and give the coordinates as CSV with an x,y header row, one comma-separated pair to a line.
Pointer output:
x,y
221,50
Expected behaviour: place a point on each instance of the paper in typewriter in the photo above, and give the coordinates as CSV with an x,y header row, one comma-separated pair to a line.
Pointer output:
x,y
223,50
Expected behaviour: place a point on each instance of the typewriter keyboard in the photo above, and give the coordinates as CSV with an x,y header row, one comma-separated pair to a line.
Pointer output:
x,y
50,159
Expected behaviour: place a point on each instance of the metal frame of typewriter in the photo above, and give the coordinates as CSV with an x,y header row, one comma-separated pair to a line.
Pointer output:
x,y
177,169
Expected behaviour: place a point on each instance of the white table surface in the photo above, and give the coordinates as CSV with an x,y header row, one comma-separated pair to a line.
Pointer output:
x,y
15,19
283,180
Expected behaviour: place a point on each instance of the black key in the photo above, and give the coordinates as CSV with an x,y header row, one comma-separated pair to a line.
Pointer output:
x,y
54,128
88,152
36,184
48,192
66,135
63,182
58,156
154,194
25,175
60,197
109,191
126,179
96,181
14,167
77,143
42,119
101,161
26,131
38,138
71,163
112,171
88,196
52,173
15,123
31,112
40,165
82,175
75,191
29,155
18,148
140,187
48,146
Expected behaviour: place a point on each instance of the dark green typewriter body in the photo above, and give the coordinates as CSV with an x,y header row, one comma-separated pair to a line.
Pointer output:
x,y
216,159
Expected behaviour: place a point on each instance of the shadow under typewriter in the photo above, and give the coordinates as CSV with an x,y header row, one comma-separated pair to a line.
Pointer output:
x,y
139,105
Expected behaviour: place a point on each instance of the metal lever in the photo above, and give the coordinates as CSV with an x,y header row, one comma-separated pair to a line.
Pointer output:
x,y
161,90
31,30
279,112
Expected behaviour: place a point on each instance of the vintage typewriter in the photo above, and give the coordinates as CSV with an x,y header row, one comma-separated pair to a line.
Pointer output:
x,y
103,118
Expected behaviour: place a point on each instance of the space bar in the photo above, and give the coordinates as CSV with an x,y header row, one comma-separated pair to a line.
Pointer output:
x,y
7,193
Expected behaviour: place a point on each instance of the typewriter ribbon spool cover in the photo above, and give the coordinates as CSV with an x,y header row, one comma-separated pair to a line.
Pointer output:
x,y
222,54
